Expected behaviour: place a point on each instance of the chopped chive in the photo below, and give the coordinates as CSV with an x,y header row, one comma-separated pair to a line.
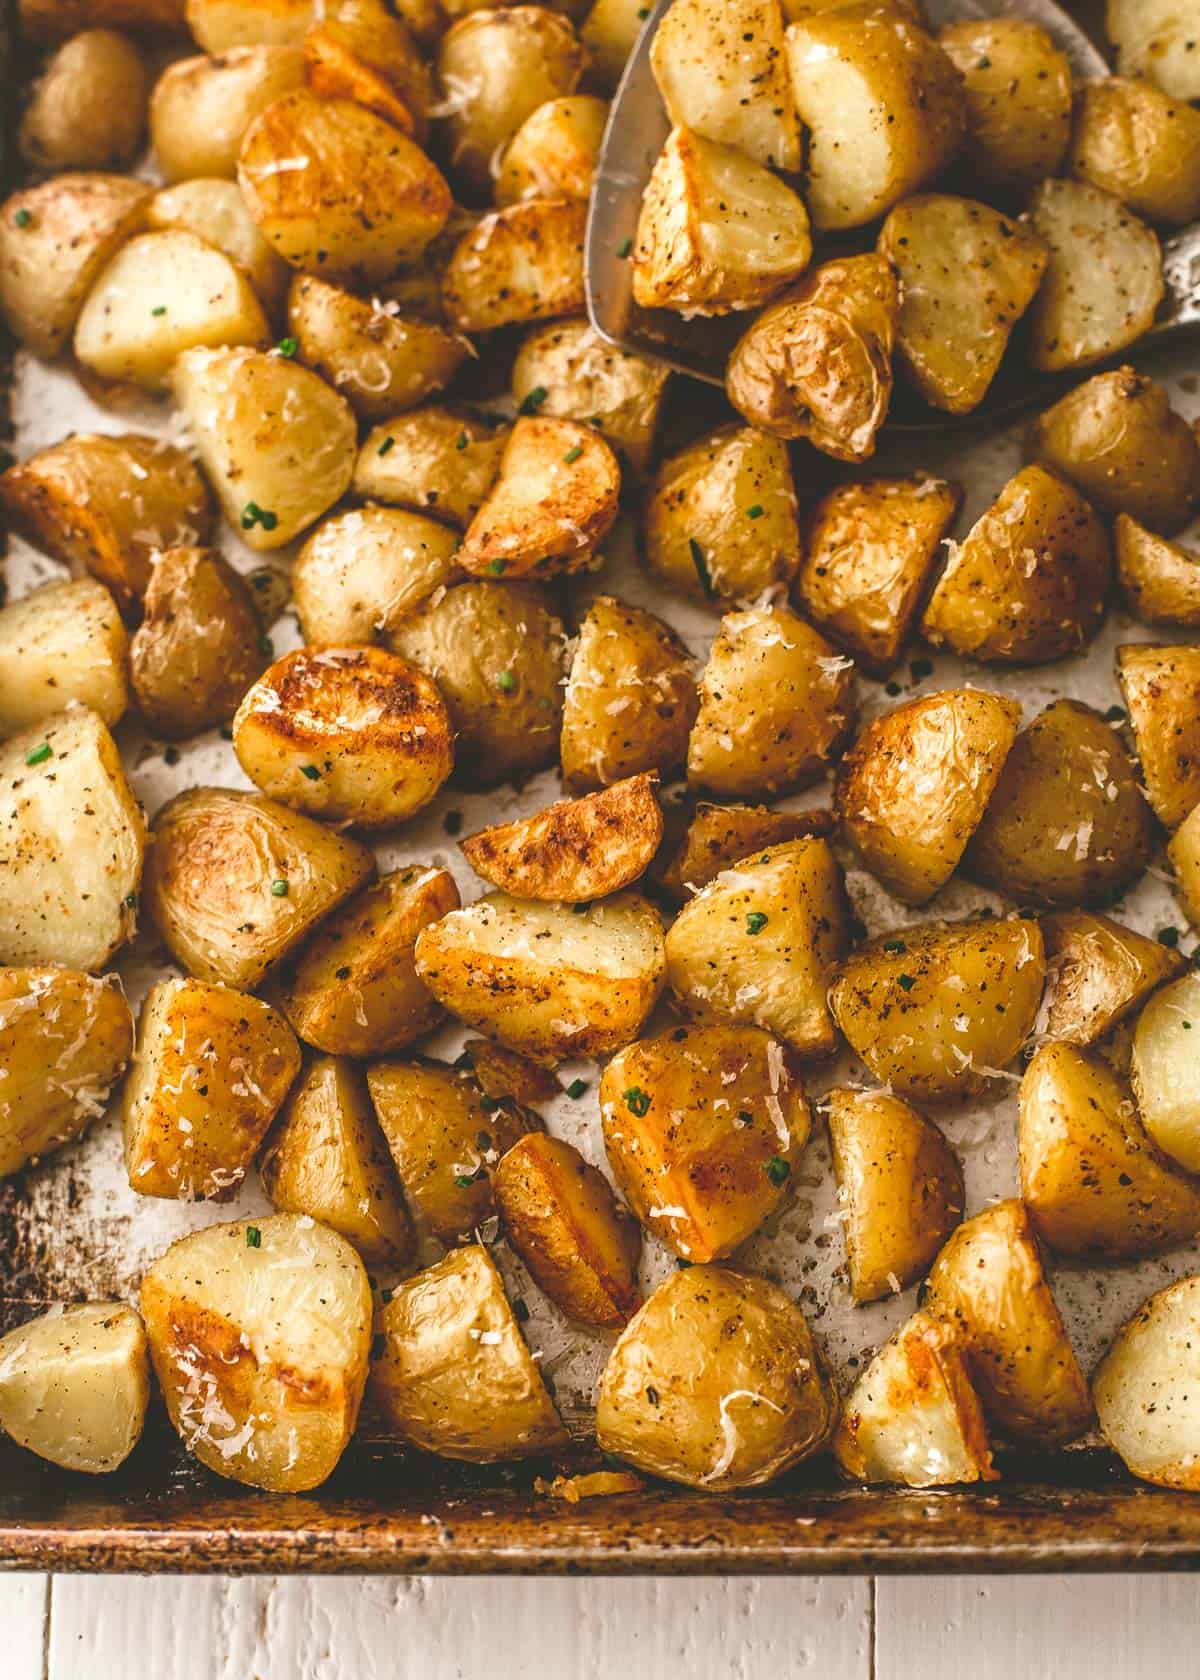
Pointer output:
x,y
896,947
279,889
637,1101
701,565
506,682
906,982
778,1170
287,347
386,447
23,218
572,455
754,512
39,755
131,901
266,647
489,1105
253,515
1115,714
311,771
463,441
533,400
1168,936
756,921
483,1140
253,1237
497,567
576,1089
624,248
161,310
643,11
520,1310
893,688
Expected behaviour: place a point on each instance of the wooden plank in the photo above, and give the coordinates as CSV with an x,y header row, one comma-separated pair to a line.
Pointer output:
x,y
23,1618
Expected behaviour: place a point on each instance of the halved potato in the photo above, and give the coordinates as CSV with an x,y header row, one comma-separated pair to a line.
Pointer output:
x,y
1144,1388
1184,853
218,24
1161,579
522,263
913,788
575,850
1101,973
88,109
75,1384
721,69
716,836
358,49
1156,39
1018,91
260,1332
586,379
1139,144
433,461
1161,686
362,571
215,211
900,1187
553,153
60,645
201,107
218,856
1166,1078
544,980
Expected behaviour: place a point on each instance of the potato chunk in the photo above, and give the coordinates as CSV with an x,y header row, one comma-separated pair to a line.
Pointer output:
x,y
65,1039
1156,39
1136,142
544,980
217,858
575,850
1144,1389
553,154
1101,973
433,461
716,836
260,1332
1161,579
1161,686
1018,92
912,790
362,571
218,24
722,70
609,32
88,110
215,212
900,1186
522,263
586,379
1166,1080
358,49
61,645
75,1384
1184,853
212,1068
201,107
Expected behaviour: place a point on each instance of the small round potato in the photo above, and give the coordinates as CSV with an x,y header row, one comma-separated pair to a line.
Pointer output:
x,y
75,1385
585,378
521,263
1161,686
435,461
201,107
716,1383
722,71
216,212
1100,974
89,109
1141,145
1146,1385
553,153
220,24
1018,90
62,644
362,571
703,840
1161,579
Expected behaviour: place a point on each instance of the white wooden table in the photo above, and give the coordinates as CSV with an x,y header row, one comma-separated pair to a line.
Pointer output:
x,y
1047,1628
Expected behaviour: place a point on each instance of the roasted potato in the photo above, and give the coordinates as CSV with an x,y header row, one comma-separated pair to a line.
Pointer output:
x,y
522,263
212,1068
913,788
359,49
61,645
1100,974
277,443
921,1007
455,1376
215,211
722,70
75,1384
354,991
609,32
500,1072
704,1127
544,980
1144,1388
50,20
218,24
579,1245
362,571
553,153
576,849
583,378
1184,853
1018,92
1030,583
88,111
201,107
776,703
1166,1082
433,461
716,1383
1156,38
989,1284
1161,580
818,363
260,1332
1161,686
65,1039
217,858
757,944
900,1187
1136,142
1067,823
326,1158
720,521
712,837
1104,281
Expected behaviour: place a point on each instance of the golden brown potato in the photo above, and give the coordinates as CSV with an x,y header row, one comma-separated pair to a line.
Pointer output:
x,y
1030,583
1184,853
500,1072
522,263
212,1068
720,521
1018,91
433,461
75,1384
218,24
712,837
1144,1388
912,790
215,211
716,1383
870,551
50,20
545,979
721,69
62,644
65,1039
1137,143
1161,686
576,849
354,989
920,1006
704,1128
362,571
584,378
219,857
88,111
988,1282
756,945
1104,281
578,1243
260,1332
776,703
818,363
455,1376
327,1158
553,153
1155,38
900,1187
496,653
1067,823
967,275
1161,580
1100,973
609,32
1164,1073
357,49
201,107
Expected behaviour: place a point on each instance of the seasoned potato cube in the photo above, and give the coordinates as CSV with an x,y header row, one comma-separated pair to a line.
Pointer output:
x,y
721,69
871,548
433,461
575,850
75,1384
1156,39
716,1383
212,1068
49,20
1184,853
1137,143
1030,583
455,1376
218,24
1166,1080
65,1039
354,989
1100,973
201,107
260,1332
215,211
553,153
720,522
919,1006
704,1127
1104,281
357,49
756,945
1018,91
1161,686
500,1072
609,32
578,1243
717,836
88,111
277,443
544,980
818,363
584,378
62,645
362,571
776,703
1161,580
1144,1388
522,263
989,1283
326,1158
900,1187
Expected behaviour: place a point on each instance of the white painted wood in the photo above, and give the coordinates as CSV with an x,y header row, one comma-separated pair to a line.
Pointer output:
x,y
22,1623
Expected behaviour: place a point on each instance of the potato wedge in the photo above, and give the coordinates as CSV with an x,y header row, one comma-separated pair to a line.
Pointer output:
x,y
913,788
359,49
260,1332
716,836
900,1187
704,1128
544,980
455,1376
75,1385
326,1158
553,154
1184,852
585,379
1100,974
1156,39
1018,92
576,849
1136,142
361,572
1161,686
1145,1385
432,461
62,644
218,24
722,70
88,110
577,1242
65,1040
1160,579
201,107
522,263
215,211
716,1383
776,703
1163,1069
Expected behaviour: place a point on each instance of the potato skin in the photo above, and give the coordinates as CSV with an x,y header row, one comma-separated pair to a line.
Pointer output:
x,y
713,837
586,379
1161,686
62,644
1018,92
201,107
522,263
88,110
1144,1389
75,1385
420,461
706,1341
364,570
1101,973
575,850
1160,580
1139,144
